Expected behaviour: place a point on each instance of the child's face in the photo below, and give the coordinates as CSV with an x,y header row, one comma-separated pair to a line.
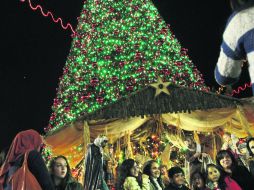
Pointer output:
x,y
213,174
226,161
178,179
198,181
243,151
134,170
188,142
163,171
155,171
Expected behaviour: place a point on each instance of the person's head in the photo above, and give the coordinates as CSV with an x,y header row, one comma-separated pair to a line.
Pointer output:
x,y
189,141
242,147
151,168
226,160
250,146
140,166
101,141
24,141
176,176
164,170
215,175
59,168
238,4
128,168
197,181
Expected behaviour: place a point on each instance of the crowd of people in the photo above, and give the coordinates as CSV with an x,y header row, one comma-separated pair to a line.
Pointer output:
x,y
24,168
227,173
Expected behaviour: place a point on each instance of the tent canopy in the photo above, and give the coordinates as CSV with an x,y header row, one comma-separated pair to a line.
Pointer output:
x,y
184,108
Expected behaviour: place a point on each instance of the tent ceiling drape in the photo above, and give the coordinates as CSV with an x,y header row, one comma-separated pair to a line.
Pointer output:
x,y
239,121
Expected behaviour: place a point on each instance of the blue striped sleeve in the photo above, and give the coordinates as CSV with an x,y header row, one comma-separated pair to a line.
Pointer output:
x,y
233,54
223,80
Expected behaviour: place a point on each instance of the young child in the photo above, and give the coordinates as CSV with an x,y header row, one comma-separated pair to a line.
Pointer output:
x,y
177,179
197,181
164,175
218,181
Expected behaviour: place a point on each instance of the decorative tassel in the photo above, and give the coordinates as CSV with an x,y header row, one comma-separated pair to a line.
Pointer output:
x,y
214,146
196,137
86,136
128,153
118,148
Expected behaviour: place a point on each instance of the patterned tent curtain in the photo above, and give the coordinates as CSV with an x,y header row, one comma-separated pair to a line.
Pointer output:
x,y
239,119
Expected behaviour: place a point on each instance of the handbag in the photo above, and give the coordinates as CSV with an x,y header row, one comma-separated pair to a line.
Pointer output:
x,y
23,179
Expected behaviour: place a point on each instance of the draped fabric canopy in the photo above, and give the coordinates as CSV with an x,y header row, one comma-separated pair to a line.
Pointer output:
x,y
238,121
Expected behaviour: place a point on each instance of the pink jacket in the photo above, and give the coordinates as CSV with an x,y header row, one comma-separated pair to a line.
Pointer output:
x,y
231,184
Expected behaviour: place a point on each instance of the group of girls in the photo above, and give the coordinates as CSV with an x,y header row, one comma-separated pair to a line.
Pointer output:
x,y
24,154
131,177
225,175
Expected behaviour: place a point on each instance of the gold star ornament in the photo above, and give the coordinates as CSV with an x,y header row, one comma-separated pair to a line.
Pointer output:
x,y
160,87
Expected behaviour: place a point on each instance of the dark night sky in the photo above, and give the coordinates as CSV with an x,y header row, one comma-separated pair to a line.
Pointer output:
x,y
34,51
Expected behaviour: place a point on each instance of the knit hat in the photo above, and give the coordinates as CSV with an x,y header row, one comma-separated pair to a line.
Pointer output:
x,y
174,170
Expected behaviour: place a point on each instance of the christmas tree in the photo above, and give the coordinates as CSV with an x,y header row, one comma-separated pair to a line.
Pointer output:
x,y
120,46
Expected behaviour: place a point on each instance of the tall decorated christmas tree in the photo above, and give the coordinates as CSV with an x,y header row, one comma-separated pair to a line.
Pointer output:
x,y
120,47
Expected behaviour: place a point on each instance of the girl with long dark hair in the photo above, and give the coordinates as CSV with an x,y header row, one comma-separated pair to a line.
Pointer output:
x,y
227,163
198,181
129,178
61,175
217,180
151,168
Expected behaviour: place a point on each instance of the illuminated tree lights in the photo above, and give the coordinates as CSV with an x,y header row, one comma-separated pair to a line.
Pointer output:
x,y
119,47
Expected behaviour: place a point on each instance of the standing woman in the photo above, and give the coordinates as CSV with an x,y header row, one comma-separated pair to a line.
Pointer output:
x,y
129,177
227,163
151,168
61,175
25,148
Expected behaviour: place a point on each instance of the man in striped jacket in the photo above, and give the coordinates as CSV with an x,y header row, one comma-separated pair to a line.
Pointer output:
x,y
238,44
